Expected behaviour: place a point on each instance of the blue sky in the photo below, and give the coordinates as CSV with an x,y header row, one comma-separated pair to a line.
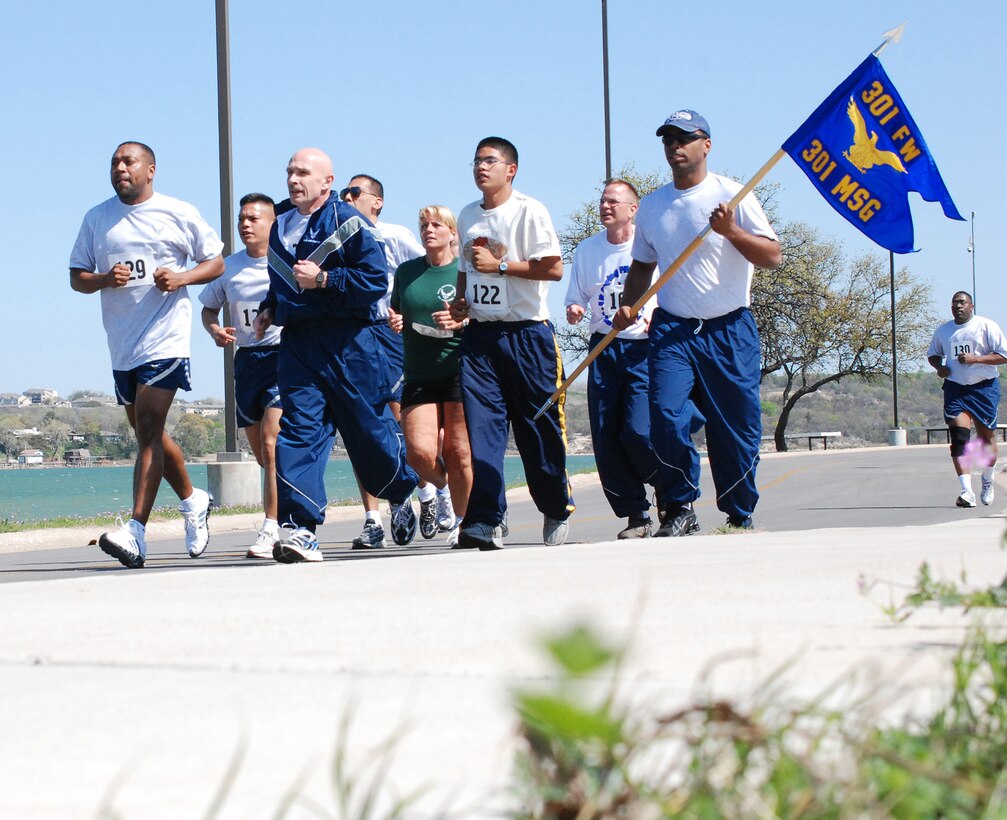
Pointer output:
x,y
404,91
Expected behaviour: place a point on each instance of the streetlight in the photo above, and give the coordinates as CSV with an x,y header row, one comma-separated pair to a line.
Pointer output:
x,y
972,253
226,205
604,63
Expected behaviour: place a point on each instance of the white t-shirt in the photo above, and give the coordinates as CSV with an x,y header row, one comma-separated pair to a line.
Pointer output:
x,y
400,246
243,286
520,230
716,279
979,336
142,323
597,279
290,227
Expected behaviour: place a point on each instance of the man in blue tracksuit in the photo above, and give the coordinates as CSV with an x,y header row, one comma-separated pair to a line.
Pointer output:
x,y
704,346
326,271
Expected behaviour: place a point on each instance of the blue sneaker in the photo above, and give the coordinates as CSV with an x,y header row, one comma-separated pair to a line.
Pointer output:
x,y
403,522
296,545
428,518
372,537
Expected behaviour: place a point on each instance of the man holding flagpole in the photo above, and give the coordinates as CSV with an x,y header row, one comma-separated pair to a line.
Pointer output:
x,y
704,345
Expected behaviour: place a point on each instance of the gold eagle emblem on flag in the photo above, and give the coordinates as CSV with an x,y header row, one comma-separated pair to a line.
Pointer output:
x,y
864,153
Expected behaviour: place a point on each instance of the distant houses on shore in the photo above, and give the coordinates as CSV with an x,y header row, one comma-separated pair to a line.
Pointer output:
x,y
78,454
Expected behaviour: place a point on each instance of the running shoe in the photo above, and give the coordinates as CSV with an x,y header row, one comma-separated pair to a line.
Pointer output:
x,y
372,537
483,536
126,543
195,512
677,521
639,526
428,518
263,546
737,522
504,529
403,522
986,494
967,499
446,519
452,539
296,545
554,531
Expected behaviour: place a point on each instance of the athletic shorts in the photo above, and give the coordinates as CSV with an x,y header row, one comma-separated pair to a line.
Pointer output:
x,y
436,392
255,387
168,374
979,400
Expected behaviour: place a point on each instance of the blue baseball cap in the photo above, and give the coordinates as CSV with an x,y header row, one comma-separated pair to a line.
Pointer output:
x,y
685,120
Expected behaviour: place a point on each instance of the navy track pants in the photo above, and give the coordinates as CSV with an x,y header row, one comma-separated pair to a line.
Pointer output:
x,y
716,364
508,371
332,377
619,408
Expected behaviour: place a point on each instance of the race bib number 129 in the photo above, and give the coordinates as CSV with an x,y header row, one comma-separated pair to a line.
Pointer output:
x,y
140,264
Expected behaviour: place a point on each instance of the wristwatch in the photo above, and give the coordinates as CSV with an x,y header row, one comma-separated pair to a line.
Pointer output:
x,y
502,267
321,279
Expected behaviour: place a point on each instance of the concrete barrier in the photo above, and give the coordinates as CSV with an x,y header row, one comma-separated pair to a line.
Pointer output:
x,y
233,480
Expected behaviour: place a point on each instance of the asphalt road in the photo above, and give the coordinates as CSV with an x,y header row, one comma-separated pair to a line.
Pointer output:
x,y
875,487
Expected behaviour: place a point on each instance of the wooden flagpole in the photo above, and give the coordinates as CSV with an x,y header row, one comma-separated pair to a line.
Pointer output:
x,y
661,280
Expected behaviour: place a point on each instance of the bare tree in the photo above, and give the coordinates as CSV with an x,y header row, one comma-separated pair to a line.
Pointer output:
x,y
822,318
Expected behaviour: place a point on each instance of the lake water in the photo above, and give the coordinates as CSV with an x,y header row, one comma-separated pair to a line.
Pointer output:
x,y
30,494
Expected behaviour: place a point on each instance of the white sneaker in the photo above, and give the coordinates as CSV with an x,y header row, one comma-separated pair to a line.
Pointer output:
x,y
967,499
263,546
446,520
195,512
554,531
296,545
126,543
452,539
986,494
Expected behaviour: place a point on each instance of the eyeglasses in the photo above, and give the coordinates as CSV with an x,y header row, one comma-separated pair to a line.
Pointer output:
x,y
354,193
489,162
683,139
607,200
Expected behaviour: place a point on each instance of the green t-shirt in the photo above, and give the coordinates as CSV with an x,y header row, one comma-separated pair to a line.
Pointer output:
x,y
418,290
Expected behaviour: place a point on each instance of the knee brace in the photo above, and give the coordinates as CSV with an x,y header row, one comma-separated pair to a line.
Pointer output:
x,y
959,438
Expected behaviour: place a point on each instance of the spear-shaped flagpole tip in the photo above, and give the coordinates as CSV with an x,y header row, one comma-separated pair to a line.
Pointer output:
x,y
891,36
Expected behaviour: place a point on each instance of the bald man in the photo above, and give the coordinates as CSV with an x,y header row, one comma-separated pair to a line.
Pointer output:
x,y
326,271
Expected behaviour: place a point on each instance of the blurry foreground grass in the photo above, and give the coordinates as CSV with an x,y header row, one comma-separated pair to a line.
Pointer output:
x,y
589,756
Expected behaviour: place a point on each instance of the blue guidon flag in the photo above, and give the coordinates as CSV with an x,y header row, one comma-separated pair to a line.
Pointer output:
x,y
864,154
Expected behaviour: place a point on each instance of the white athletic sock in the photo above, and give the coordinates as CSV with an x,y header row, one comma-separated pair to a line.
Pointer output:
x,y
965,481
988,473
373,516
190,502
270,525
426,492
445,490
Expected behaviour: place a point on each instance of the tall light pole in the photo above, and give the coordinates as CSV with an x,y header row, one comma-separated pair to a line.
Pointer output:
x,y
972,253
895,358
604,64
226,206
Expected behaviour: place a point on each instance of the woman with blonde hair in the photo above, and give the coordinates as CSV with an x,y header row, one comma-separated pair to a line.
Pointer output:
x,y
433,421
